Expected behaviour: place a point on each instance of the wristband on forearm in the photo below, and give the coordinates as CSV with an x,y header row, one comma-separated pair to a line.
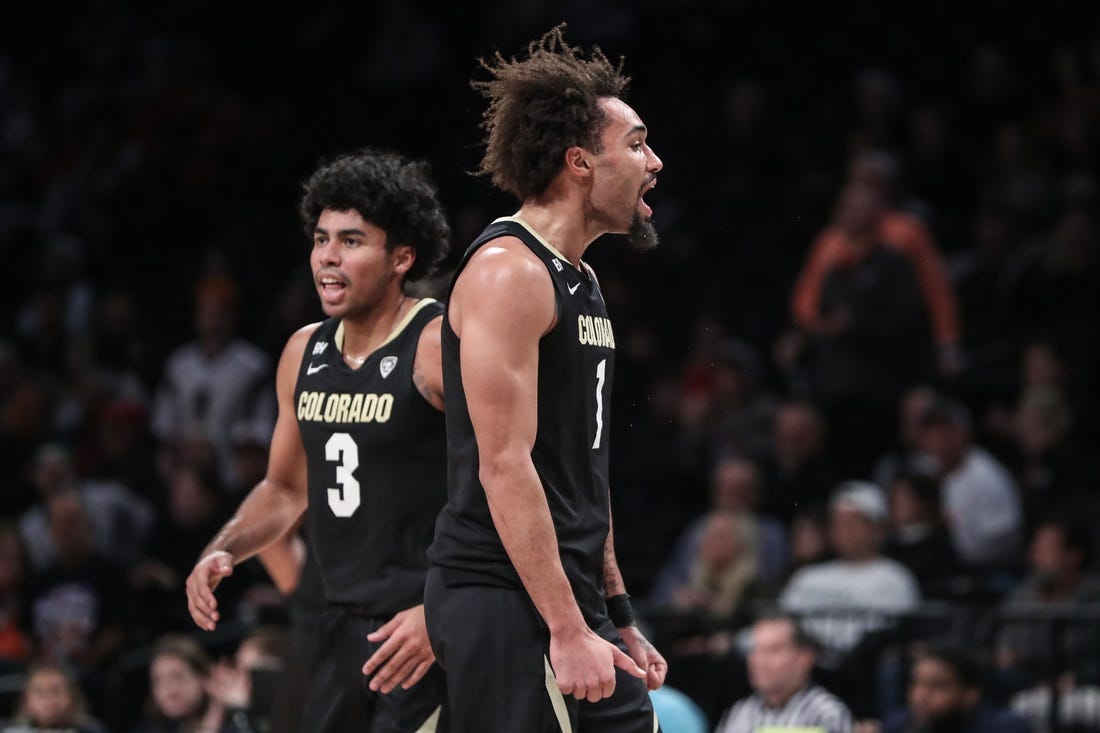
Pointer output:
x,y
620,611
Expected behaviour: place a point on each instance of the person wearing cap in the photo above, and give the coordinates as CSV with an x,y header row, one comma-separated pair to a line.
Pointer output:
x,y
979,496
860,580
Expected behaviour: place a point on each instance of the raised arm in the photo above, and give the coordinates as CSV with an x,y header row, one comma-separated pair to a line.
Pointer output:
x,y
501,306
272,507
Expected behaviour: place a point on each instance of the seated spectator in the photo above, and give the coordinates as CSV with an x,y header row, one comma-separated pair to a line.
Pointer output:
x,y
121,520
78,602
182,697
247,682
15,639
842,599
721,570
780,661
215,381
51,703
1059,558
945,694
734,487
798,475
918,538
913,404
979,497
809,540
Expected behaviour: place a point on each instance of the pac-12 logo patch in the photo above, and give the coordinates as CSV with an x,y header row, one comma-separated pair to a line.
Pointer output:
x,y
387,365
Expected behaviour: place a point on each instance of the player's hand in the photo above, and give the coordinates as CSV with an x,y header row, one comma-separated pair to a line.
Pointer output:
x,y
584,665
202,581
646,656
405,655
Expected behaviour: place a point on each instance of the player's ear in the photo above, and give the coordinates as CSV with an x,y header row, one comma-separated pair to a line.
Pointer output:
x,y
404,256
577,161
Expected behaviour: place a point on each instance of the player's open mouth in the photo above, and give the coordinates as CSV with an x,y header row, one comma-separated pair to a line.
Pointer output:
x,y
643,207
331,288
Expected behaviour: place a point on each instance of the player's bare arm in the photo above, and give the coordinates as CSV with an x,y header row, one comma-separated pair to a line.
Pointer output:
x,y
428,367
283,559
502,304
644,653
272,507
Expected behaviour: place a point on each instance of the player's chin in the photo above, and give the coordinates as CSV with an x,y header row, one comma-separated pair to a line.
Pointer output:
x,y
642,235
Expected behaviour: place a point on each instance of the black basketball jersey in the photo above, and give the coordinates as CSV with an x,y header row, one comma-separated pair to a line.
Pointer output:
x,y
376,458
576,361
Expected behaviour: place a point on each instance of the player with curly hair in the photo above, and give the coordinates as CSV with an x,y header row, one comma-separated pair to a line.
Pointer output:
x,y
525,604
359,440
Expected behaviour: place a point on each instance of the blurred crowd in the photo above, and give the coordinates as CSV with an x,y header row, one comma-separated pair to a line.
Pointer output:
x,y
859,375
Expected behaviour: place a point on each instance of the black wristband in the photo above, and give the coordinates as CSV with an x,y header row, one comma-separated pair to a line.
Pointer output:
x,y
620,611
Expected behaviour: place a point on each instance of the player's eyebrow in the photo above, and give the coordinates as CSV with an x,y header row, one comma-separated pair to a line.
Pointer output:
x,y
342,232
636,129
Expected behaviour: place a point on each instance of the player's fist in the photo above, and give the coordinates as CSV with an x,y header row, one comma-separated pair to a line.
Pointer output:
x,y
202,581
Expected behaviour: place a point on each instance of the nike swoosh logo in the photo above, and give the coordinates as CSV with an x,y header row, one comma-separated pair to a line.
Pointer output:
x,y
313,369
573,288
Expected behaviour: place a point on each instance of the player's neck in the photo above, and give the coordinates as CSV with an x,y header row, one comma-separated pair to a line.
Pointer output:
x,y
561,225
365,332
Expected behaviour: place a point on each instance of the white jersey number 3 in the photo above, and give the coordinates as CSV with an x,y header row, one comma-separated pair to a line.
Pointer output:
x,y
601,376
342,450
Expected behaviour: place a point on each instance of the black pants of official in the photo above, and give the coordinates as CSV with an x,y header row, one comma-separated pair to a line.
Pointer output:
x,y
340,700
495,649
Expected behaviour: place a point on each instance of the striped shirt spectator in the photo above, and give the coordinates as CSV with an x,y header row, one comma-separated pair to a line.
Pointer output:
x,y
780,660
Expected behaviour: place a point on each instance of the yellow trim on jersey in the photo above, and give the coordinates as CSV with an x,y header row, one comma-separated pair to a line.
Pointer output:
x,y
561,712
431,723
536,235
338,337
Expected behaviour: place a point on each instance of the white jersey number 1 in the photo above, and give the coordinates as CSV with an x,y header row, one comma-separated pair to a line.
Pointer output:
x,y
601,375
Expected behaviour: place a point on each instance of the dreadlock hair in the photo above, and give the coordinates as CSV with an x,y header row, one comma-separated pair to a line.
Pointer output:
x,y
540,106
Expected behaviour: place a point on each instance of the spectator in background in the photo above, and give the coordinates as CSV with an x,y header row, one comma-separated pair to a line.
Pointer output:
x,y
861,306
840,598
121,520
182,697
245,683
912,406
979,497
77,603
918,538
724,408
809,539
1059,578
15,639
798,473
945,694
51,703
215,381
780,661
734,489
901,227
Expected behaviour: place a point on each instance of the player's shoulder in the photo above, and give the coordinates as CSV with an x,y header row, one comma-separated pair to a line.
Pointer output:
x,y
296,344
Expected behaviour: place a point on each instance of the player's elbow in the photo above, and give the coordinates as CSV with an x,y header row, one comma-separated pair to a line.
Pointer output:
x,y
502,468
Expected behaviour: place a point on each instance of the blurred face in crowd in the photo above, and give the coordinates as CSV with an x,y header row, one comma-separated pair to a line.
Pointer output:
x,y
13,561
797,434
720,545
808,540
735,485
48,699
71,528
215,316
906,509
914,403
1051,560
778,667
853,536
945,442
52,470
859,210
177,688
936,693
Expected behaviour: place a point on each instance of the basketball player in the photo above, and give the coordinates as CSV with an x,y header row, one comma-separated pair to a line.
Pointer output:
x,y
523,556
359,440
